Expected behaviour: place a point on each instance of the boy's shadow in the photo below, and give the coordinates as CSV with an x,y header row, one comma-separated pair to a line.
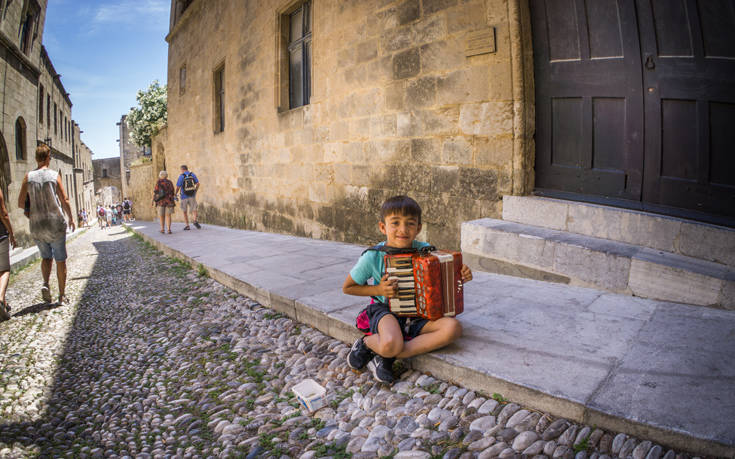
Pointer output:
x,y
36,308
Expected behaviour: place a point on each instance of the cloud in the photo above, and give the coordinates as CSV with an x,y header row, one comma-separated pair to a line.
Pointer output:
x,y
130,12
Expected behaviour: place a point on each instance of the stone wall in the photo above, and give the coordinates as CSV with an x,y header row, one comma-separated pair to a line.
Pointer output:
x,y
400,104
140,190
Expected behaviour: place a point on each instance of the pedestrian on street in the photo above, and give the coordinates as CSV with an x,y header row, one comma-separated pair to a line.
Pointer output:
x,y
49,203
163,198
127,208
6,239
109,215
101,218
85,218
188,183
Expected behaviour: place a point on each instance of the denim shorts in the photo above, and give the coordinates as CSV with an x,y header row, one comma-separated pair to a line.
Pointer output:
x,y
410,326
55,250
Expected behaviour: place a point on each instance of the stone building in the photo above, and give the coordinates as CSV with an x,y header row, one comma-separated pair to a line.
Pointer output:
x,y
21,32
83,173
561,118
129,154
107,180
35,108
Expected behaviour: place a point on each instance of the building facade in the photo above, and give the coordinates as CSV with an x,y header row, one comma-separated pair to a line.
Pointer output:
x,y
130,154
35,109
302,116
83,173
107,181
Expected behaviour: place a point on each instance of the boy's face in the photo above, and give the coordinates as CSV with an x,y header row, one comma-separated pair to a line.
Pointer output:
x,y
400,230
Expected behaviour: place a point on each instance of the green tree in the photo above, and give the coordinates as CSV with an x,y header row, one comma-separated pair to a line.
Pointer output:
x,y
149,116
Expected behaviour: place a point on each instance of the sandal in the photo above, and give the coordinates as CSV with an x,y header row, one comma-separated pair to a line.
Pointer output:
x,y
186,228
169,232
162,232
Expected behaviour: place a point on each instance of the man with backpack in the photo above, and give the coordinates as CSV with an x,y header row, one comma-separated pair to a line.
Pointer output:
x,y
127,206
188,183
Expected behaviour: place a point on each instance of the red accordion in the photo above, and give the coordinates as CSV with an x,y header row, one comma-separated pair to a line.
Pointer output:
x,y
429,284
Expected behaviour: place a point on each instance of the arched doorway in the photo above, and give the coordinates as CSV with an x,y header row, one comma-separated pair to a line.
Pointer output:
x,y
4,167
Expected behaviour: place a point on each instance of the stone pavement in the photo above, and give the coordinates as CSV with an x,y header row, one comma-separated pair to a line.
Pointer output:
x,y
652,369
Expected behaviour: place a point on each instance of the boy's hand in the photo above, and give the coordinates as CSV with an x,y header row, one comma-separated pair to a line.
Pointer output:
x,y
387,287
466,273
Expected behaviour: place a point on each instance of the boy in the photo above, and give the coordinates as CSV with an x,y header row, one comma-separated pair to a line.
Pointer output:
x,y
393,337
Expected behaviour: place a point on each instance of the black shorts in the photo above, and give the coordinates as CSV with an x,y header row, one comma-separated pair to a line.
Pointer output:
x,y
126,212
410,326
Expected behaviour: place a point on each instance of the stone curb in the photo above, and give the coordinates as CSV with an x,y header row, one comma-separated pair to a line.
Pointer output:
x,y
444,368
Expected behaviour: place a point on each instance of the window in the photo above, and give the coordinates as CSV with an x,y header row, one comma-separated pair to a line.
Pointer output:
x,y
104,173
56,120
20,139
219,99
40,104
182,80
299,56
25,33
48,107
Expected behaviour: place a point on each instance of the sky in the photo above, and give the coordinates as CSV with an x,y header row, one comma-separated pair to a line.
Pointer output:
x,y
105,51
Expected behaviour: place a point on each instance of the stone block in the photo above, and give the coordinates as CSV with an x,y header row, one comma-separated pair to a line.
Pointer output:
x,y
421,92
441,121
478,184
592,265
708,242
397,39
380,70
548,213
394,95
406,64
669,283
367,50
442,55
359,128
444,179
408,11
470,84
469,17
425,150
496,152
429,30
486,119
433,6
622,225
457,150
727,297
383,125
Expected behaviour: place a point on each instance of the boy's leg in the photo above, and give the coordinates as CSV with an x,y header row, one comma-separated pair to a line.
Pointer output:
x,y
434,335
388,342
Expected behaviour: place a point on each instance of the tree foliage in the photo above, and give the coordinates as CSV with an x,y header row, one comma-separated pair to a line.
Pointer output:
x,y
149,116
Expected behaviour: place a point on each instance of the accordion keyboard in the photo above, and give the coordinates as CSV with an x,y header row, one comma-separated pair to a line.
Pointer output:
x,y
401,270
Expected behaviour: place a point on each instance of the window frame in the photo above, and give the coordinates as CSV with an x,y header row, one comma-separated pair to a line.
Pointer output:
x,y
304,44
21,141
182,80
40,103
218,89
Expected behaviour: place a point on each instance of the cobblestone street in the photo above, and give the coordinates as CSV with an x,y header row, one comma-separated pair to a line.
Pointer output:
x,y
154,359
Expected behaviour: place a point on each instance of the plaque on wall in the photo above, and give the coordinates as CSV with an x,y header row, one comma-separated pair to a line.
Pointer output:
x,y
480,41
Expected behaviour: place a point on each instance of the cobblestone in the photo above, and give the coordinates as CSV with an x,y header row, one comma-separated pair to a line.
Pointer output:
x,y
152,360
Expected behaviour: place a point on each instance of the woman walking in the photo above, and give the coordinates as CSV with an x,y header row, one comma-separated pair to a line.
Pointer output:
x,y
163,199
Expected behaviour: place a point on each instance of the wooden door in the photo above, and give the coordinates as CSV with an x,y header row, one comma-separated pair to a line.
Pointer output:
x,y
688,52
589,97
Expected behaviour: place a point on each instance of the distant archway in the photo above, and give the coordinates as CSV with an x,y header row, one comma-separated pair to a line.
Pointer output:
x,y
4,167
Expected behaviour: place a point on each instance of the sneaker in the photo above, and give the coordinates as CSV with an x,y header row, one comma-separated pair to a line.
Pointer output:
x,y
198,226
3,312
46,293
359,355
63,300
186,228
382,369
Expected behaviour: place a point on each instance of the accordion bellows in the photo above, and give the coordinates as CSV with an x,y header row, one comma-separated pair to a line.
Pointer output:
x,y
429,285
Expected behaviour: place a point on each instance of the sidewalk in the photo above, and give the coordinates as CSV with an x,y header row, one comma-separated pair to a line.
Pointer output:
x,y
655,370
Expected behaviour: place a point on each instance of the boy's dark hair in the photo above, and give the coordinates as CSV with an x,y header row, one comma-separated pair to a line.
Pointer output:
x,y
402,205
183,166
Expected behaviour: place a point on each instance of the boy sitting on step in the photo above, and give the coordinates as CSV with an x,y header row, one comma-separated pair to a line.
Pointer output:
x,y
390,336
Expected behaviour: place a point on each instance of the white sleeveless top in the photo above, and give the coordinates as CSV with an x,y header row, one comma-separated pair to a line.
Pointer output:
x,y
47,222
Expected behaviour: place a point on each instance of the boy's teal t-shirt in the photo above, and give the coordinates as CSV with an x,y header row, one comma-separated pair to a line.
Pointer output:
x,y
370,266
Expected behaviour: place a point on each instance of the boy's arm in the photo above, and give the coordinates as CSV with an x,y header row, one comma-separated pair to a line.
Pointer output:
x,y
386,288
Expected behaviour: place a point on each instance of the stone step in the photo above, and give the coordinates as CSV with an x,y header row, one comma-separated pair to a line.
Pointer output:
x,y
546,254
655,231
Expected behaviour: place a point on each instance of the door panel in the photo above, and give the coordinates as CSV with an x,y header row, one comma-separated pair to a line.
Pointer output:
x,y
589,99
688,48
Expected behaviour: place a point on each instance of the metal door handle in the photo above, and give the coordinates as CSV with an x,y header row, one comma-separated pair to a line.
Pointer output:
x,y
650,65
